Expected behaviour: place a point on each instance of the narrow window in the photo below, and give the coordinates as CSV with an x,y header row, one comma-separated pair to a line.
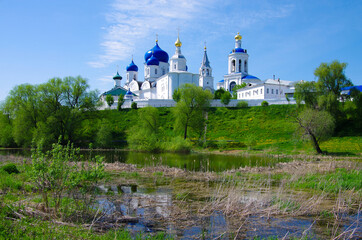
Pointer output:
x,y
261,91
272,91
233,65
156,71
163,71
245,66
276,91
267,90
174,66
239,65
207,72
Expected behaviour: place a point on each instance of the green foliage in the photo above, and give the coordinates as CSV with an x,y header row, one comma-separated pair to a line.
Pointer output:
x,y
306,92
46,111
264,104
242,104
109,100
331,77
225,98
218,93
134,105
177,144
222,144
10,168
189,111
120,102
176,96
104,135
55,172
316,125
236,88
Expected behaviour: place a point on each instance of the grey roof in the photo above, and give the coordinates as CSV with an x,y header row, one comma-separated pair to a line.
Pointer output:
x,y
205,60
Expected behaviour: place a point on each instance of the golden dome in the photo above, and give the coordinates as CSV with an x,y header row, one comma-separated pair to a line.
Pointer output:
x,y
238,37
178,43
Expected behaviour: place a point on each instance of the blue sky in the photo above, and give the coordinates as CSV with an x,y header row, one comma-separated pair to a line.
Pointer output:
x,y
41,39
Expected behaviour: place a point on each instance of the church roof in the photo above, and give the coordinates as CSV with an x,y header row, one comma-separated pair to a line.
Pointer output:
x,y
249,77
117,76
116,91
156,51
132,67
205,60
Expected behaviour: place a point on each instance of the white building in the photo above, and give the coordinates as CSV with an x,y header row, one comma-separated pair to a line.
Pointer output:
x,y
164,76
270,89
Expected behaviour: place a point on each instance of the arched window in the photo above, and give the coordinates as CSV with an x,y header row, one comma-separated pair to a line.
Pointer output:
x,y
232,85
155,70
233,65
207,72
239,65
245,66
163,71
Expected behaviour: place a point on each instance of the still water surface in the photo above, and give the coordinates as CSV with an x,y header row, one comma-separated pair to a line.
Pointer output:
x,y
191,162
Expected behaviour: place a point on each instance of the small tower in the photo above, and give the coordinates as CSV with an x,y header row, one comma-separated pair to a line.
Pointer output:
x,y
206,80
238,58
117,80
178,61
132,72
152,69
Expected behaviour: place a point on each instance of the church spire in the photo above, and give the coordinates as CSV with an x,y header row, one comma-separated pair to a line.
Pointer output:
x,y
205,60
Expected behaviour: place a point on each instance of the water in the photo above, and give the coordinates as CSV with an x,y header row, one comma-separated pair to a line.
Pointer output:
x,y
191,162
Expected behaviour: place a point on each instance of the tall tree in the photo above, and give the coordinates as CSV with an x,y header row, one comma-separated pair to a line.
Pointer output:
x,y
331,77
225,98
315,125
189,110
306,92
109,100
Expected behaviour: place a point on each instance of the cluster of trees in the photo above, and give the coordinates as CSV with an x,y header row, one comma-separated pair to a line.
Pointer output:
x,y
323,111
226,96
189,113
46,111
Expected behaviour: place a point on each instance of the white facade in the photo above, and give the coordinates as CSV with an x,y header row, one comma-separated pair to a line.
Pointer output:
x,y
162,78
269,89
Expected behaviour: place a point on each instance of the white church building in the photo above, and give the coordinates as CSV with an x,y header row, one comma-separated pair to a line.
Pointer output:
x,y
162,76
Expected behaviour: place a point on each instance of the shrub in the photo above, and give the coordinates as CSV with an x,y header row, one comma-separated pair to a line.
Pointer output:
x,y
222,144
134,105
242,104
178,144
264,103
10,168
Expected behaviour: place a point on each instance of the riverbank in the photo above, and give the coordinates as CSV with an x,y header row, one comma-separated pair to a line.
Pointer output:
x,y
315,197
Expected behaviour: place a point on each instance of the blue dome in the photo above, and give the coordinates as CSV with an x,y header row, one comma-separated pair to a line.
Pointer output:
x,y
161,55
153,61
129,92
117,76
249,77
221,80
132,67
238,50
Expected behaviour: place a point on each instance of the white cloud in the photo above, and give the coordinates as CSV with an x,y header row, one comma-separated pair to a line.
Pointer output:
x,y
130,21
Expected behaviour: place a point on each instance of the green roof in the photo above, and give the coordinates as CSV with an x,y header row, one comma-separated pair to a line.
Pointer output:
x,y
116,92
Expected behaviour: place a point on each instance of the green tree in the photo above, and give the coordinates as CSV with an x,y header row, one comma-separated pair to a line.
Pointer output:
x,y
316,126
306,92
236,88
104,136
218,93
145,134
331,77
176,96
189,110
134,105
109,100
120,102
225,98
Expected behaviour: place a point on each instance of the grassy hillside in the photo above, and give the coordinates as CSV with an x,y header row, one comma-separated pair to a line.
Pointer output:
x,y
269,129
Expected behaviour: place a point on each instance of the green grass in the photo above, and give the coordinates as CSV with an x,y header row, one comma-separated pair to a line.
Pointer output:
x,y
332,182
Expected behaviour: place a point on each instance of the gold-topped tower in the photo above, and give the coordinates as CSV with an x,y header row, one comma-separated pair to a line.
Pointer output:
x,y
238,36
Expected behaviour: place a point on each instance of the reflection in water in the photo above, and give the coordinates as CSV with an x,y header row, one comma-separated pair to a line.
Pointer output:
x,y
191,162
158,211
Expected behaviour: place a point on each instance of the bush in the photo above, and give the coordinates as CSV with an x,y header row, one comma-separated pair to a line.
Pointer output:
x,y
264,103
178,144
134,105
222,144
10,168
242,104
